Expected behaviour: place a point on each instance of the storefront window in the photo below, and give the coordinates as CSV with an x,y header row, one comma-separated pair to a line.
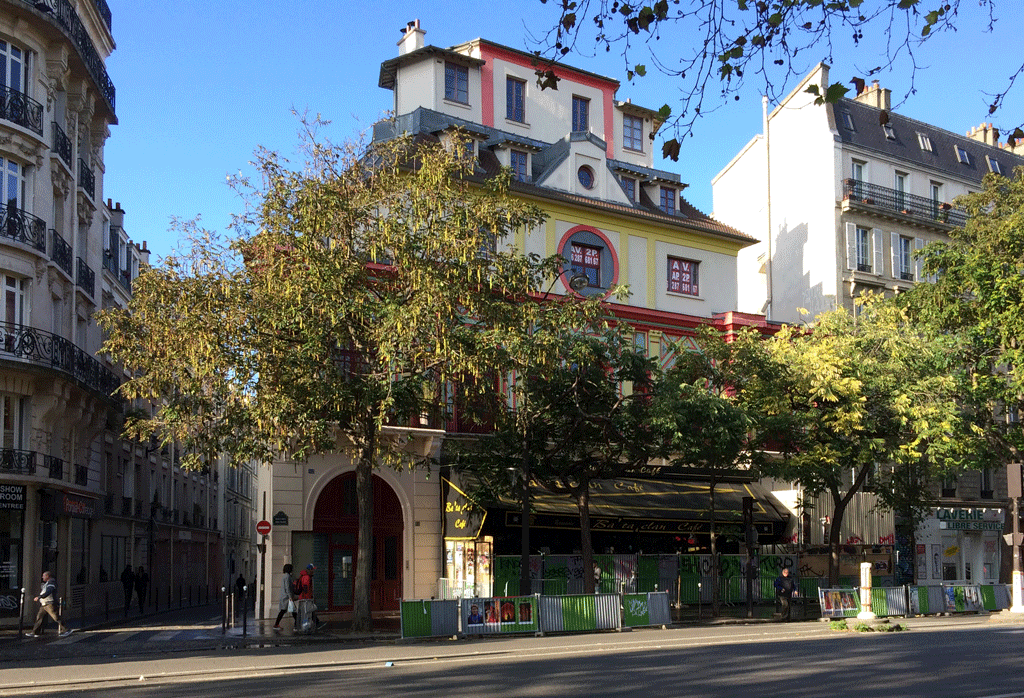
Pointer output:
x,y
10,561
79,551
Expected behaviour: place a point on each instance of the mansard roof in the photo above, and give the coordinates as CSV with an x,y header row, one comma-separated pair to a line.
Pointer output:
x,y
425,124
904,145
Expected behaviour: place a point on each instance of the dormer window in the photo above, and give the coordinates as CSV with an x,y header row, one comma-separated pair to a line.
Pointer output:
x,y
925,142
629,186
518,160
456,82
962,155
993,165
889,133
848,121
668,200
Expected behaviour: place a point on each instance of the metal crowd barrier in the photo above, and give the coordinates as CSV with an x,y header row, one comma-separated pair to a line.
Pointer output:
x,y
430,618
640,610
916,600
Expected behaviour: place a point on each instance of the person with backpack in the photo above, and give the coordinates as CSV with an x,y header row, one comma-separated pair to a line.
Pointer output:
x,y
287,597
306,597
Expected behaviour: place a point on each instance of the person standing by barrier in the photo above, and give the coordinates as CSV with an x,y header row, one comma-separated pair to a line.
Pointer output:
x,y
285,599
128,583
142,587
785,590
48,607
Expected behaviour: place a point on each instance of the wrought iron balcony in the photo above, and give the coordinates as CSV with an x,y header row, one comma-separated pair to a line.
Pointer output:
x,y
122,275
60,251
47,349
22,226
61,144
916,207
86,179
104,10
54,466
86,279
14,461
18,108
64,14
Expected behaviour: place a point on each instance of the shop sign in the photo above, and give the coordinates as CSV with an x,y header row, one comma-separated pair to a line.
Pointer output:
x,y
463,518
79,507
12,497
971,525
968,514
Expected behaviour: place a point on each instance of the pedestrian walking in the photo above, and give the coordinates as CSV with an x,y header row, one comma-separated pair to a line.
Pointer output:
x,y
128,583
306,597
286,599
48,607
141,586
785,590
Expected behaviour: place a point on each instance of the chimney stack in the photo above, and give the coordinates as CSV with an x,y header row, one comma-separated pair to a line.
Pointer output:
x,y
874,96
985,134
412,38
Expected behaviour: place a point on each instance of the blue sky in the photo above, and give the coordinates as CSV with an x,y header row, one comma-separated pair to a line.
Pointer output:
x,y
202,83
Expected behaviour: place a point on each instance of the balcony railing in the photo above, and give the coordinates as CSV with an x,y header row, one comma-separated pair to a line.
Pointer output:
x,y
15,461
22,226
104,10
54,467
86,278
918,207
63,12
86,179
60,251
122,275
47,349
17,107
61,144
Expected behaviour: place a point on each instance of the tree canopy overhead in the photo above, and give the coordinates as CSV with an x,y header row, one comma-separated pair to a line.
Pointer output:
x,y
714,47
359,285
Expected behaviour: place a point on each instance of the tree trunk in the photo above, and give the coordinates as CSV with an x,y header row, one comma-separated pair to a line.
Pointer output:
x,y
524,530
715,600
586,544
362,619
833,542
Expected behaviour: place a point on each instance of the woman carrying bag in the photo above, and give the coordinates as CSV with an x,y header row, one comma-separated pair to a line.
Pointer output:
x,y
285,600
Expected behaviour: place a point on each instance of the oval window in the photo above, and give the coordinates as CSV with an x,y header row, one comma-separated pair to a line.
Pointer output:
x,y
586,177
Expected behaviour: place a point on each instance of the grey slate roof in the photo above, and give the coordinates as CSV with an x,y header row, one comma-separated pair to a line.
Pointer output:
x,y
868,133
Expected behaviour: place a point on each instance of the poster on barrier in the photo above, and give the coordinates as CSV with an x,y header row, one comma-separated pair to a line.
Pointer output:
x,y
838,603
963,599
513,614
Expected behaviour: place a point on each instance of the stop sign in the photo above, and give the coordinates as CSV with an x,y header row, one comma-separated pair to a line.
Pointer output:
x,y
263,528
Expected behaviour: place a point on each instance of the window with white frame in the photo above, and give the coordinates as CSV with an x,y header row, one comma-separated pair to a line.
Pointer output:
x,y
517,161
633,133
962,155
683,276
848,121
857,173
900,184
935,194
515,100
864,248
12,186
925,142
11,420
580,113
668,200
993,165
15,300
13,73
902,257
456,82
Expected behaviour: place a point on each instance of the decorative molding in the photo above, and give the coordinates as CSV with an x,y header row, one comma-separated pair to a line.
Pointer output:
x,y
85,210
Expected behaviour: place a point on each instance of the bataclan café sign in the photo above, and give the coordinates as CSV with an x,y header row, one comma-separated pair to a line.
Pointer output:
x,y
969,519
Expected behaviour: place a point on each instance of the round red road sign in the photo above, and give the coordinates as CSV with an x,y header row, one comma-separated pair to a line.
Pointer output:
x,y
263,528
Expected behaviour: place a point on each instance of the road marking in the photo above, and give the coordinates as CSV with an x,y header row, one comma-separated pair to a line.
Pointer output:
x,y
164,636
120,637
77,637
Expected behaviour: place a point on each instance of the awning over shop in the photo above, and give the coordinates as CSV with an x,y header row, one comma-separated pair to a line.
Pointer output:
x,y
660,505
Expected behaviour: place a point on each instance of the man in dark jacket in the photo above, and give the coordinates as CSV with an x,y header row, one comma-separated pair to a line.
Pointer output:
x,y
128,582
785,588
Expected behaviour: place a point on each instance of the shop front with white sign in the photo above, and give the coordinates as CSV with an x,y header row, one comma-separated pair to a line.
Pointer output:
x,y
959,545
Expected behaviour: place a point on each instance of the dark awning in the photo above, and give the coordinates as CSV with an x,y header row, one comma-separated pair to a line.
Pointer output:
x,y
661,505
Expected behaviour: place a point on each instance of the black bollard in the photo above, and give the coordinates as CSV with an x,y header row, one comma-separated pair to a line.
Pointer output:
x,y
21,613
245,608
224,621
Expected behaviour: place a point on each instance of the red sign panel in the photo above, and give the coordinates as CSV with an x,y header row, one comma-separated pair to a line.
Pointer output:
x,y
263,528
682,276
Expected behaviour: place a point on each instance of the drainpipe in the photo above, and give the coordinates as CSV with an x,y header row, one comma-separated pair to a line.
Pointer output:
x,y
768,205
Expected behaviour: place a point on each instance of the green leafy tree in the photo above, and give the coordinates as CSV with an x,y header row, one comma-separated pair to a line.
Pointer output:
x,y
699,426
713,46
849,394
357,285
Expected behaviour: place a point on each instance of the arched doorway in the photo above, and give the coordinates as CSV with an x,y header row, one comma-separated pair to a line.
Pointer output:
x,y
335,517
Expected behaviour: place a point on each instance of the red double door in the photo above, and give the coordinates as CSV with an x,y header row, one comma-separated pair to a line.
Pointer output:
x,y
336,518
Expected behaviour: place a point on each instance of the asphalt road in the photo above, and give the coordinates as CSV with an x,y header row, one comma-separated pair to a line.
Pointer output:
x,y
963,657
